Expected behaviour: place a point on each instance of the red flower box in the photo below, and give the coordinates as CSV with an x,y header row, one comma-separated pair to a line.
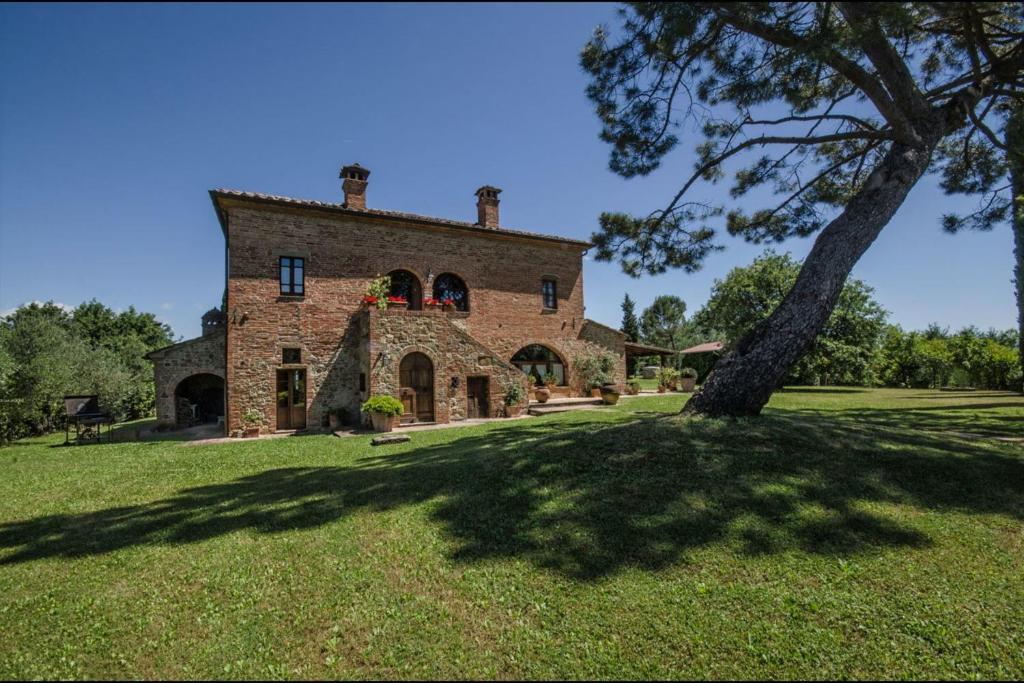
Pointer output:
x,y
369,299
397,300
427,301
448,302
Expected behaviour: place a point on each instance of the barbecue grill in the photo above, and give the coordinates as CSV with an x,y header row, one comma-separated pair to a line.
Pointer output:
x,y
84,412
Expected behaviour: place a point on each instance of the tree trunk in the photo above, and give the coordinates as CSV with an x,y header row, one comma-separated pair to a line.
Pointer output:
x,y
744,379
1015,157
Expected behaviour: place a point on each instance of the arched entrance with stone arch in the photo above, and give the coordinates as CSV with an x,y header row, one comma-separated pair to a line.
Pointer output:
x,y
198,399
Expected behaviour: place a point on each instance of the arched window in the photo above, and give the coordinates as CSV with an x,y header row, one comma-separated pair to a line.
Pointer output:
x,y
407,286
448,286
538,360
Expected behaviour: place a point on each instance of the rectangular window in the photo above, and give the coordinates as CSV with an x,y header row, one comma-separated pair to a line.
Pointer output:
x,y
292,280
550,294
291,356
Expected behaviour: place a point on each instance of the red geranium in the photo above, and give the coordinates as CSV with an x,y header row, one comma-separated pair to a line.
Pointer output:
x,y
448,302
369,299
397,300
431,301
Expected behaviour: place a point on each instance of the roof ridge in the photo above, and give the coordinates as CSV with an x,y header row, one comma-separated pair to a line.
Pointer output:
x,y
387,213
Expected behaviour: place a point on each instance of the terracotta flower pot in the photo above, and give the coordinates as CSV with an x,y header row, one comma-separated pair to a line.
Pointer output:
x,y
688,383
610,395
595,392
383,423
398,304
542,394
513,411
251,432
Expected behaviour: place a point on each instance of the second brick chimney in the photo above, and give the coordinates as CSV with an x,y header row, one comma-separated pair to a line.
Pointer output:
x,y
487,207
354,181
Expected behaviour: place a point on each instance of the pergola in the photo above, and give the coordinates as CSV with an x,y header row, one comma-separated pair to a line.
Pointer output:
x,y
634,349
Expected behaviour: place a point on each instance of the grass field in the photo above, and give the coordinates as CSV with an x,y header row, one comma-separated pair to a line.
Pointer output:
x,y
845,533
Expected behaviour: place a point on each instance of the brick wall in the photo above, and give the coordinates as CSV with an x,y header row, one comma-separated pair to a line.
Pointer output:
x,y
342,255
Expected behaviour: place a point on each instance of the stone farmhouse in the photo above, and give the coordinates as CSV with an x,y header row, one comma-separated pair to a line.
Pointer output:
x,y
296,341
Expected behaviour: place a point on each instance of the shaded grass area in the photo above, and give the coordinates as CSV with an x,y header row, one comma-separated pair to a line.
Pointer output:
x,y
844,533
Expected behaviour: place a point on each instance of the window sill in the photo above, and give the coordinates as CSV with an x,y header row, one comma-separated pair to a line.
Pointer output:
x,y
285,298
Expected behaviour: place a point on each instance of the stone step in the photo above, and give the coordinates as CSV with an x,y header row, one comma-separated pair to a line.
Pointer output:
x,y
564,405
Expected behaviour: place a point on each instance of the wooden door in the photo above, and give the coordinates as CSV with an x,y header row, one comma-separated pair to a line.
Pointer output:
x,y
478,397
417,373
291,399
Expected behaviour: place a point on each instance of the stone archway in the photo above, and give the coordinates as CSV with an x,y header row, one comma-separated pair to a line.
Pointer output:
x,y
198,399
416,386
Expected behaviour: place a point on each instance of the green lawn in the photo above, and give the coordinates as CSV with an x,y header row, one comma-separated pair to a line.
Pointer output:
x,y
846,533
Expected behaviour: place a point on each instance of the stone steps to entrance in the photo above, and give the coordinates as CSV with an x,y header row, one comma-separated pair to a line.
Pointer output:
x,y
562,405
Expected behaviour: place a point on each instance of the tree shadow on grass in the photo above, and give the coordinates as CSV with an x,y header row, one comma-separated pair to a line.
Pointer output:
x,y
589,497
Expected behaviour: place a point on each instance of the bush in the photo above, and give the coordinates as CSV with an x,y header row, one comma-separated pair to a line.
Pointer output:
x,y
595,369
688,373
383,405
668,377
513,394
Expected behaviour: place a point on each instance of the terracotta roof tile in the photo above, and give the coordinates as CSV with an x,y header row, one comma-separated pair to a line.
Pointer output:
x,y
400,215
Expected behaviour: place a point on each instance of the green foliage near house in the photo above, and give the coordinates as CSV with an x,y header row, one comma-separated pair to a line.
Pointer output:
x,y
595,369
47,352
383,405
842,353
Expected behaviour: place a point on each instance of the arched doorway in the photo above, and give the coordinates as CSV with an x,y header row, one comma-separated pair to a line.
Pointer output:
x,y
451,286
198,399
407,286
537,360
416,377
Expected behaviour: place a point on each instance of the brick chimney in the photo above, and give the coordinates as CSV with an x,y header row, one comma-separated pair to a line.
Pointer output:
x,y
354,181
487,207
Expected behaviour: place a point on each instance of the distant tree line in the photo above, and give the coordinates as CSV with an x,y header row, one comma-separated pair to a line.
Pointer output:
x,y
47,352
856,347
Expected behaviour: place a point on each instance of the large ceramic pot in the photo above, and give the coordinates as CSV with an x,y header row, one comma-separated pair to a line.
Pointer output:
x,y
513,411
383,423
595,392
688,383
610,394
542,394
251,432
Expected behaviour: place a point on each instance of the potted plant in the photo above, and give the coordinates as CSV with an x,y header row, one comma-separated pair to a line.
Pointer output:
x,y
610,394
688,378
513,399
430,303
384,412
252,419
668,378
595,370
448,304
540,390
378,292
633,386
397,302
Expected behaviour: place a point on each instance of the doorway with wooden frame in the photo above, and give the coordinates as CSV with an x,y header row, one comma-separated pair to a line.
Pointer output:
x,y
416,379
291,399
478,397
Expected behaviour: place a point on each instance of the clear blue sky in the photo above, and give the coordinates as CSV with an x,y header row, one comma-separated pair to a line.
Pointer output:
x,y
115,121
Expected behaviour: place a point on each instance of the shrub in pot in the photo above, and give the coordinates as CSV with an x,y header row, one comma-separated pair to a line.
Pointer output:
x,y
384,412
252,419
633,386
688,378
596,370
610,394
513,400
668,378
